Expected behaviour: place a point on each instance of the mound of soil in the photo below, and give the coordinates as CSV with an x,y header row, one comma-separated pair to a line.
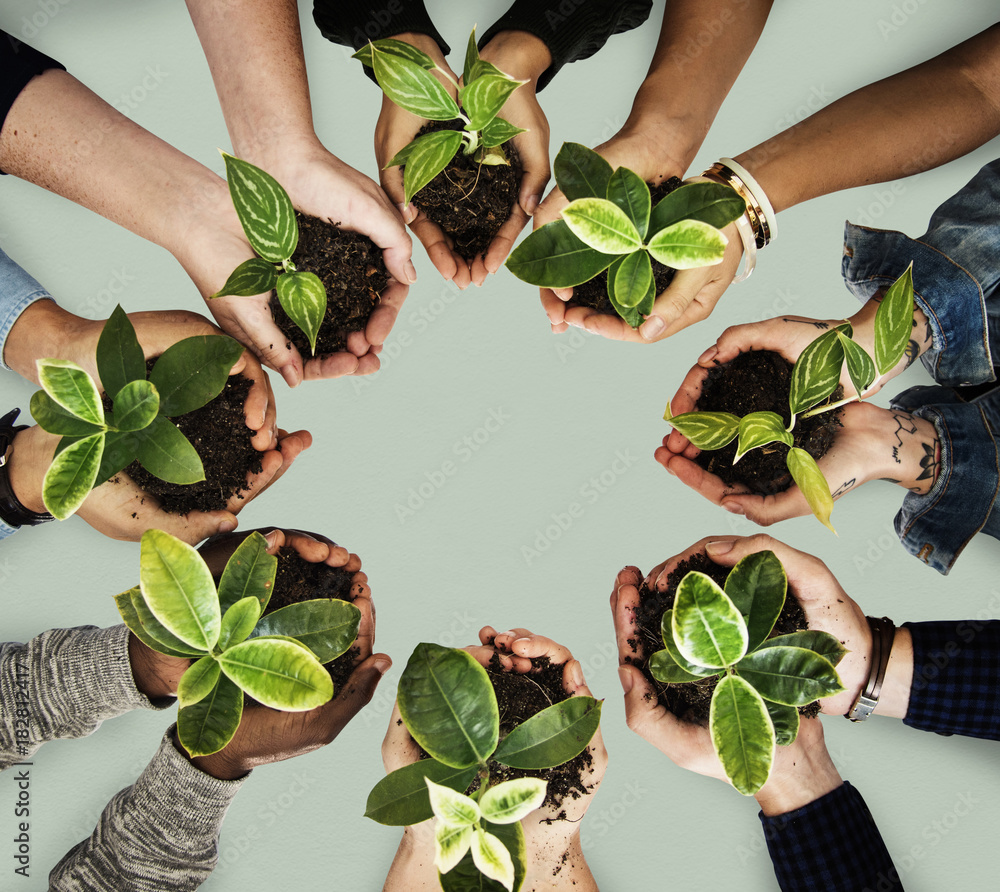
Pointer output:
x,y
468,200
760,381
594,294
219,433
690,702
352,270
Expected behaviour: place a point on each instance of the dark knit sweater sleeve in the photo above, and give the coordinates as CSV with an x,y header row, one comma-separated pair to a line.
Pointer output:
x,y
19,63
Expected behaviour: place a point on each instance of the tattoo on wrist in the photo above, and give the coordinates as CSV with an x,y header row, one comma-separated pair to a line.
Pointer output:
x,y
822,326
844,487
904,425
911,352
930,461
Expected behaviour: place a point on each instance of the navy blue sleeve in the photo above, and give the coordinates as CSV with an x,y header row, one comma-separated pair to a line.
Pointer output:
x,y
19,63
956,678
830,844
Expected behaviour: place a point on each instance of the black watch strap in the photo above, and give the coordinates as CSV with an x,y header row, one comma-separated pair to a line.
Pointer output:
x,y
12,512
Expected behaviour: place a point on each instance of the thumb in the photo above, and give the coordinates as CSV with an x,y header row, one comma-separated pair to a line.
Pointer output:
x,y
642,709
356,693
534,179
672,303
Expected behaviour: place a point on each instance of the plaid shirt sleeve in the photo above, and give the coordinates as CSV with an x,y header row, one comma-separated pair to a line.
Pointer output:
x,y
830,845
956,678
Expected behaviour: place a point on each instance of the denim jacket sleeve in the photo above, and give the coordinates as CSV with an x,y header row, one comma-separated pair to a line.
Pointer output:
x,y
18,291
955,277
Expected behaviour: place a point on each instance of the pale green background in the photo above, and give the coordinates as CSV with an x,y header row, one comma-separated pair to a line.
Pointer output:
x,y
572,403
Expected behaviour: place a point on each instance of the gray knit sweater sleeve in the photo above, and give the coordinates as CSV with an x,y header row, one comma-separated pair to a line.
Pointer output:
x,y
159,835
63,684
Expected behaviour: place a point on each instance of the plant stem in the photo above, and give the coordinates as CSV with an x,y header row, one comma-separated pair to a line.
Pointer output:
x,y
473,144
818,410
484,776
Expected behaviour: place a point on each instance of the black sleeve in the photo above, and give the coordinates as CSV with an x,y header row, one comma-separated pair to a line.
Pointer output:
x,y
571,29
19,63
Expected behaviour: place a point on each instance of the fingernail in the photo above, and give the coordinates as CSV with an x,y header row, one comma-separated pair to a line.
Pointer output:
x,y
518,641
652,328
531,204
576,673
383,666
272,539
625,677
720,546
708,354
227,526
411,272
671,471
733,507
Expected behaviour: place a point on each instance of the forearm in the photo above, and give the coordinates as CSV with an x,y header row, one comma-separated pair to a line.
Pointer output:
x,y
159,834
63,684
687,82
910,122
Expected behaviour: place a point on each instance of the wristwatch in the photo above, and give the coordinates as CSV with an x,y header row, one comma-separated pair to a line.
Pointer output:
x,y
12,512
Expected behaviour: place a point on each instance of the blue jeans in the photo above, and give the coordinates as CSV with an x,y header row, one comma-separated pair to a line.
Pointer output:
x,y
956,280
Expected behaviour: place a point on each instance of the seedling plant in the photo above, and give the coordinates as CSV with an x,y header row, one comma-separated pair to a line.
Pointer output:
x,y
96,444
815,376
277,659
715,633
404,74
611,224
449,707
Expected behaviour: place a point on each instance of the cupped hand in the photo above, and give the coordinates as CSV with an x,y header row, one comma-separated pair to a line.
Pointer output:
x,y
312,547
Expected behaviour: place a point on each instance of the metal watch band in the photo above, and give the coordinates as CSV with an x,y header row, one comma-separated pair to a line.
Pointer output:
x,y
883,633
12,512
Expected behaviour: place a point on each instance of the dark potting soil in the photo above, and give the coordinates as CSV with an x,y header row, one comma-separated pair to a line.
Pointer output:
x,y
690,702
468,200
300,580
352,270
219,433
594,293
759,381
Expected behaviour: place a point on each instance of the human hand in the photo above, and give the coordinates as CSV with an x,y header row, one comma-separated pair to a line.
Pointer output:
x,y
872,444
312,547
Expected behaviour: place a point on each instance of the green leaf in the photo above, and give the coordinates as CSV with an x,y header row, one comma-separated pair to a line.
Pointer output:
x,y
466,877
816,373
809,478
328,627
822,643
198,681
254,276
553,736
633,279
131,619
303,298
859,364
793,676
688,244
238,622
491,857
742,734
192,372
451,806
711,203
400,799
120,359
166,453
894,322
136,406
156,630
627,190
757,585
707,628
631,315
471,57
447,702
498,131
485,96
119,452
706,430
278,673
53,418
758,429
672,653
602,225
428,156
491,157
177,586
552,257
785,721
580,172
71,476
482,68
413,88
249,572
451,842
264,209
664,668
208,725
513,800
72,388
394,47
